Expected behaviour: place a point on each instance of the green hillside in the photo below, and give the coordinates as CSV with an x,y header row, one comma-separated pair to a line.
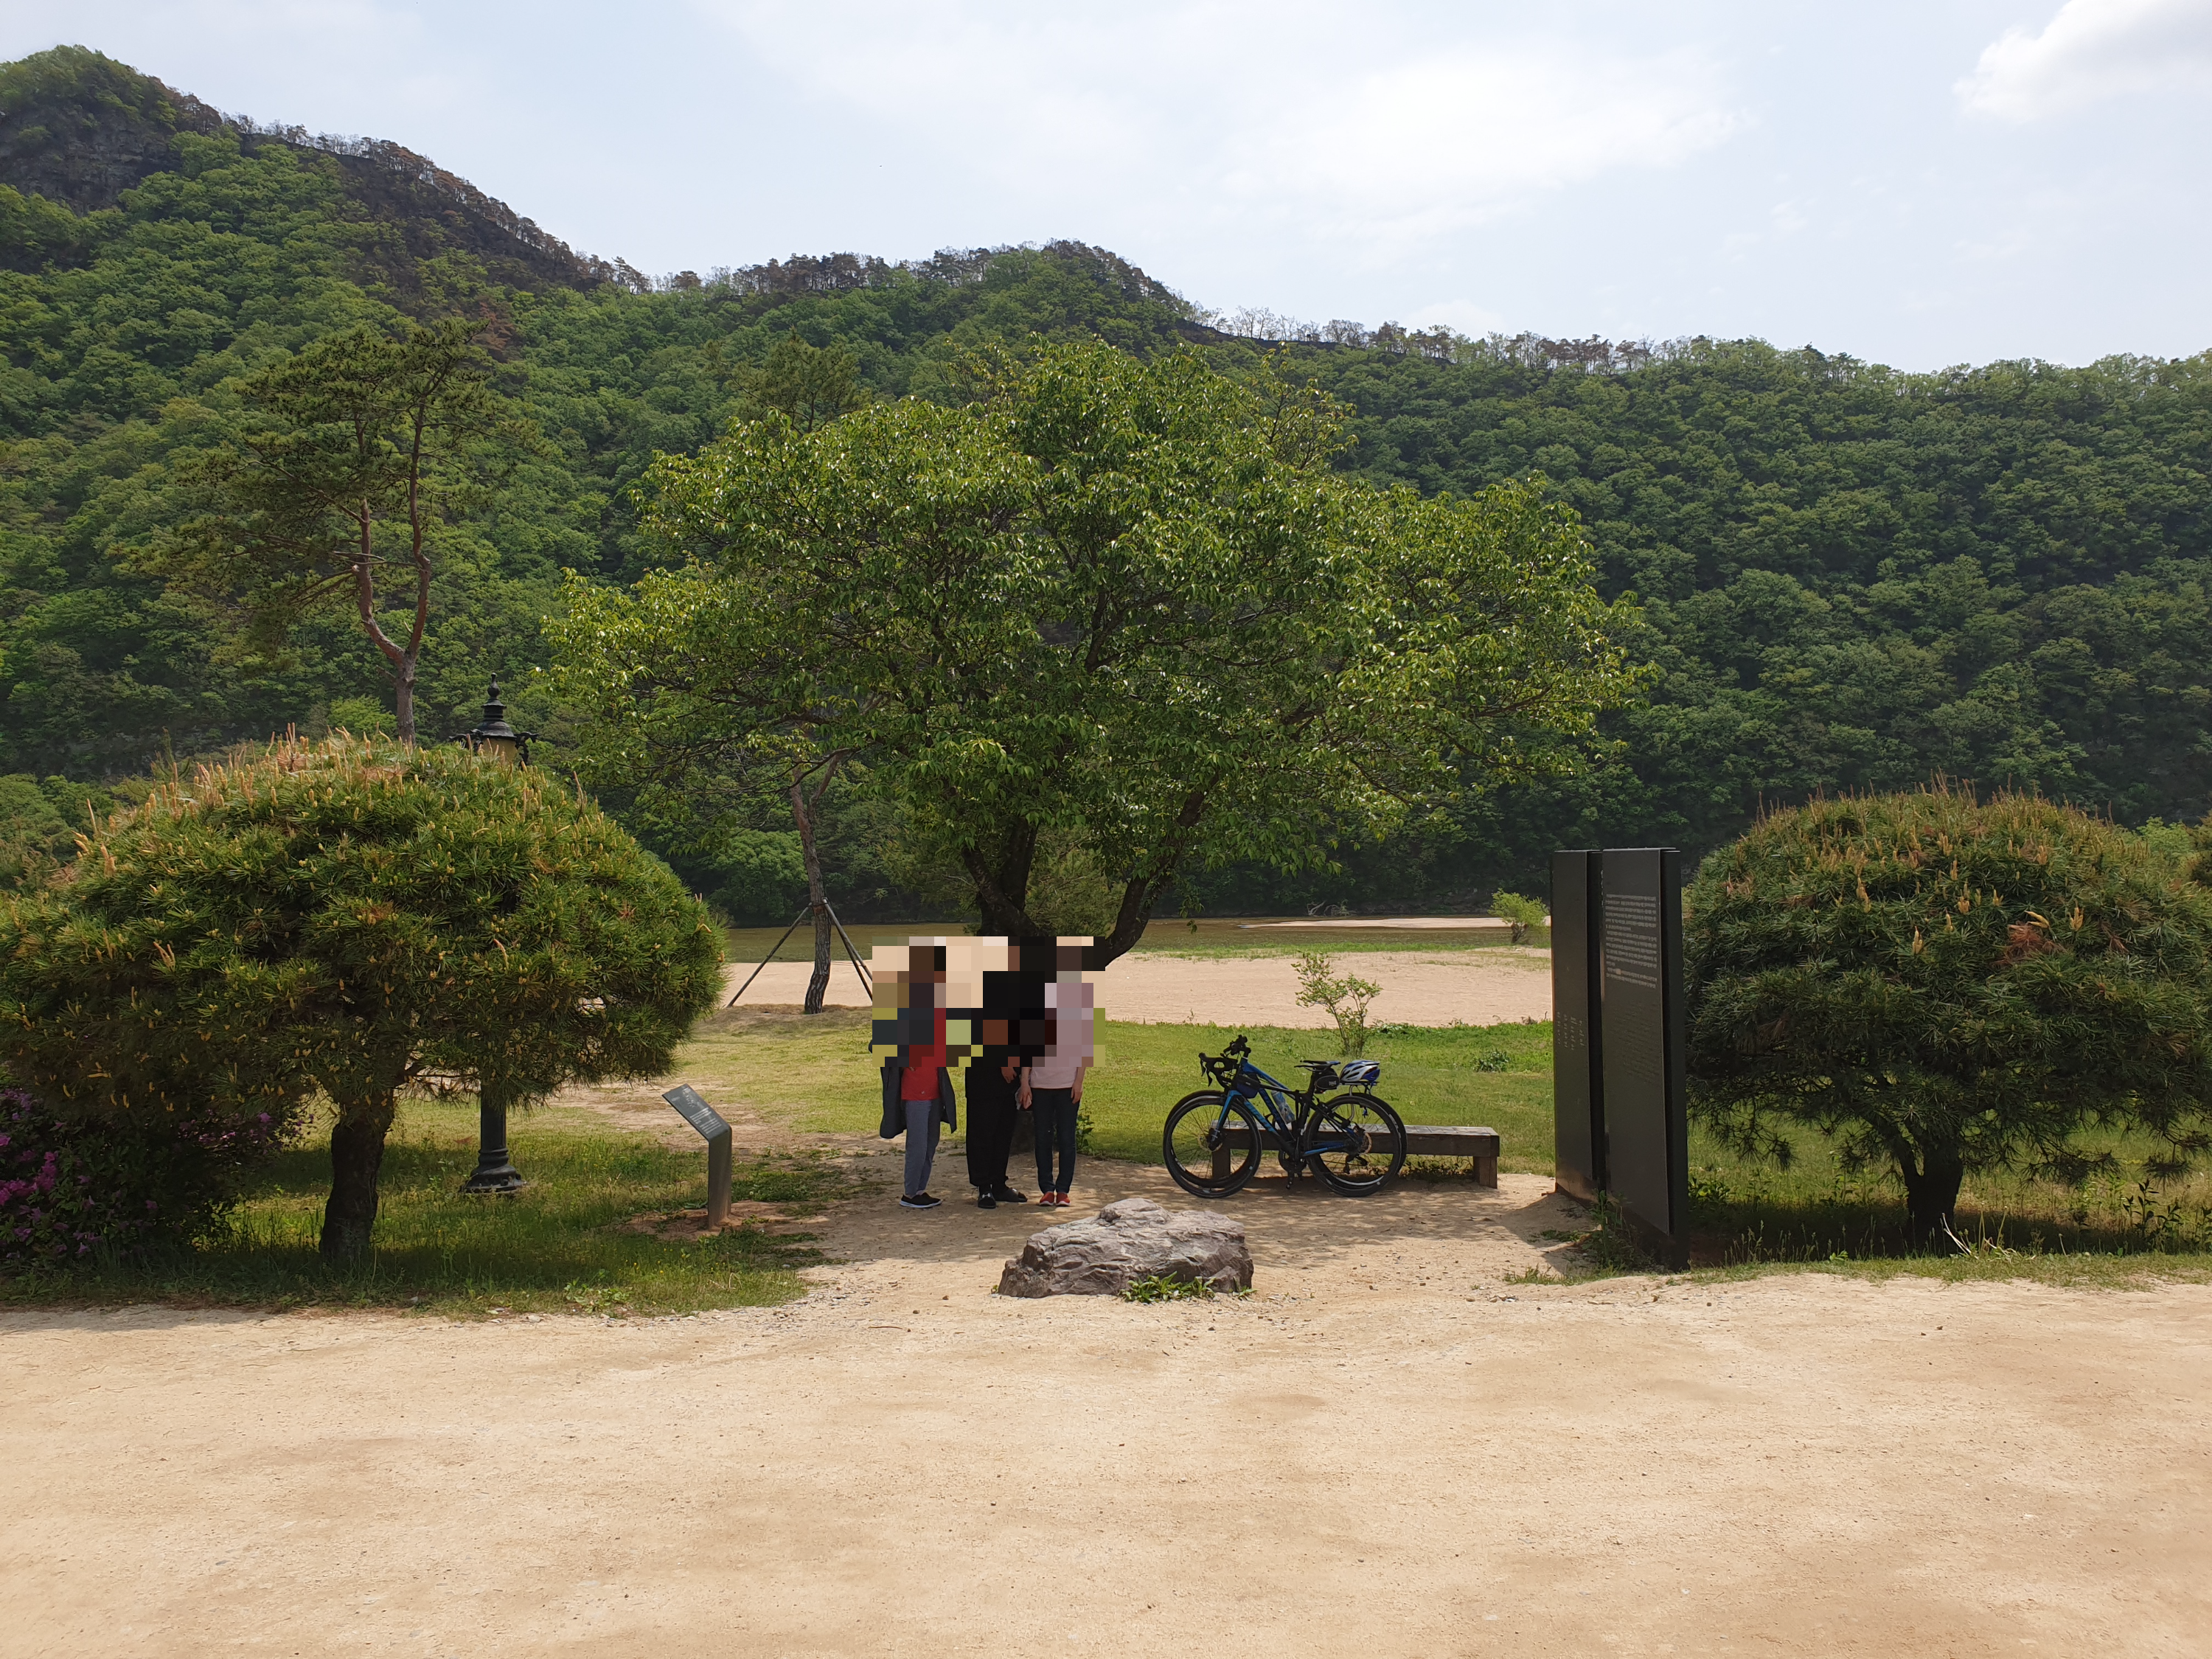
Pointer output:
x,y
1850,576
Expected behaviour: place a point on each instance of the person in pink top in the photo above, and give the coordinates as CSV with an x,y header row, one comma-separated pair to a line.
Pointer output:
x,y
1052,1084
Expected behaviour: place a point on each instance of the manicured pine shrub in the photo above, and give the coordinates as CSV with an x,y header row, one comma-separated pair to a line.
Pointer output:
x,y
354,918
1944,984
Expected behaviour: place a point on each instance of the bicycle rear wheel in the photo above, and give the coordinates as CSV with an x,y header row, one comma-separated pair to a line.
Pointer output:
x,y
1356,1143
1212,1144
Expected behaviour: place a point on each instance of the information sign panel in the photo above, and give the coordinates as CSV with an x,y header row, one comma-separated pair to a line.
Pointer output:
x,y
1646,1134
712,1126
1577,1039
696,1112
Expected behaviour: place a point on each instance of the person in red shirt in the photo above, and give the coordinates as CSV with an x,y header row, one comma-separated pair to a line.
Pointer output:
x,y
918,1101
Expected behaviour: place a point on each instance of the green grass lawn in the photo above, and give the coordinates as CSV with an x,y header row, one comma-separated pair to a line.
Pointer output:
x,y
1816,1211
816,1073
561,1246
556,1247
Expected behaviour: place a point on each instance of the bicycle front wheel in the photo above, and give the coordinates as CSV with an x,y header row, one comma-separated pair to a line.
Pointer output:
x,y
1210,1143
1356,1144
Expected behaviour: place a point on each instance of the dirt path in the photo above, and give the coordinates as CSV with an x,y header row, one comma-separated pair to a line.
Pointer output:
x,y
1387,1450
1419,988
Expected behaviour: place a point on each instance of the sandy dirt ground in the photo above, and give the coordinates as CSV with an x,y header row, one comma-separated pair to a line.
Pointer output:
x,y
1419,988
1392,1447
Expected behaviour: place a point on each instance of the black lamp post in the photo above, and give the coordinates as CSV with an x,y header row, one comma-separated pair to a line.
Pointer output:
x,y
495,1171
493,736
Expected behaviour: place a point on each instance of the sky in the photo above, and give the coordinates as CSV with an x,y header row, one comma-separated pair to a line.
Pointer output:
x,y
1924,184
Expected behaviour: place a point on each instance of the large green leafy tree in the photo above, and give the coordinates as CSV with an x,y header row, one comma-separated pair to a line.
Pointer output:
x,y
1945,984
1125,604
359,919
776,723
341,483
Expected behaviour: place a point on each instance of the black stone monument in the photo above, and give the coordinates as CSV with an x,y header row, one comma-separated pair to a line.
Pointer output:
x,y
1619,1101
1577,1073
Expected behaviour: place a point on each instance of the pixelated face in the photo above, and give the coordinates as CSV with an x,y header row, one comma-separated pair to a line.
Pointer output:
x,y
995,993
966,962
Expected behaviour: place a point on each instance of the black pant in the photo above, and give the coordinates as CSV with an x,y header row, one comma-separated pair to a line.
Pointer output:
x,y
1055,1111
990,1126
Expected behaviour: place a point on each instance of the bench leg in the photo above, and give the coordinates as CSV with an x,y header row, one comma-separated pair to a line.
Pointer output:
x,y
1486,1172
1221,1164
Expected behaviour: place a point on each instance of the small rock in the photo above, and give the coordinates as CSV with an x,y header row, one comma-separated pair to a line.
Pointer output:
x,y
1131,1239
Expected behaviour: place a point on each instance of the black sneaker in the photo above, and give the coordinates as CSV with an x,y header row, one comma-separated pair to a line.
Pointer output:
x,y
986,1200
920,1201
1005,1195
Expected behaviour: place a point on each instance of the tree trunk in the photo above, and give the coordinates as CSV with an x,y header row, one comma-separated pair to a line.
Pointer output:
x,y
402,698
1145,891
1135,913
356,1156
1001,875
1931,1192
812,855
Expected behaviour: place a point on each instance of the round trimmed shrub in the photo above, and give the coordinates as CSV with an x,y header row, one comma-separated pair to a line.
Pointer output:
x,y
352,917
1945,984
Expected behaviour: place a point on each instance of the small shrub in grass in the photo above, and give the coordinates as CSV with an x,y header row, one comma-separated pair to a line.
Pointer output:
x,y
1943,984
1160,1287
1527,915
73,1191
1610,1246
1345,997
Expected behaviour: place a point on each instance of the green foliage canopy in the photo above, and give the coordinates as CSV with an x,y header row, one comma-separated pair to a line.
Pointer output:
x,y
1125,602
339,484
1945,984
1848,577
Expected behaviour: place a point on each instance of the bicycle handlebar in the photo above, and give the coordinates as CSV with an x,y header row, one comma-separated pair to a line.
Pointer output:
x,y
1224,1068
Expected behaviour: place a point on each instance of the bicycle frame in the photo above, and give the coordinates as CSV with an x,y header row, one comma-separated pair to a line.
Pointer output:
x,y
1271,1102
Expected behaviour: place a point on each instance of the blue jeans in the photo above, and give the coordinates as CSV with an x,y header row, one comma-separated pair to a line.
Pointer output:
x,y
922,1124
1055,1132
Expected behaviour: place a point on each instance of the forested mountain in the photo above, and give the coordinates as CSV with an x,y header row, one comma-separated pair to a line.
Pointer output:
x,y
1850,576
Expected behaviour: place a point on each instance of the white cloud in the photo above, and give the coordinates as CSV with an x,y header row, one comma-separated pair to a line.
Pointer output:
x,y
1407,155
2093,50
1325,116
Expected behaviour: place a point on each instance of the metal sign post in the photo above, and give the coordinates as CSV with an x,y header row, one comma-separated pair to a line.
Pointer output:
x,y
716,1134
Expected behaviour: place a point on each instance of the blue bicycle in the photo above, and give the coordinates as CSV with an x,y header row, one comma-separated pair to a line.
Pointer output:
x,y
1352,1140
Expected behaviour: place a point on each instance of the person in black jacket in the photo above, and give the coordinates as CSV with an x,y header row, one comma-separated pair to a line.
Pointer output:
x,y
1010,997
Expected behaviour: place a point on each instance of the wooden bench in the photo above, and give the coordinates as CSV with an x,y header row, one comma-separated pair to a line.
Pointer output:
x,y
1422,1140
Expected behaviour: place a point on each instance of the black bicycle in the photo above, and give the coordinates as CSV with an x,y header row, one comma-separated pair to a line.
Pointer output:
x,y
1352,1140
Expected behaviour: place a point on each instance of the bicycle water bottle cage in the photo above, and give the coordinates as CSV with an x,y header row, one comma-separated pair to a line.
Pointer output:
x,y
1359,1073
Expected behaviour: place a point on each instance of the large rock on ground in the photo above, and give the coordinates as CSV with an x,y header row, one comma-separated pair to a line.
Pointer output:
x,y
1132,1239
